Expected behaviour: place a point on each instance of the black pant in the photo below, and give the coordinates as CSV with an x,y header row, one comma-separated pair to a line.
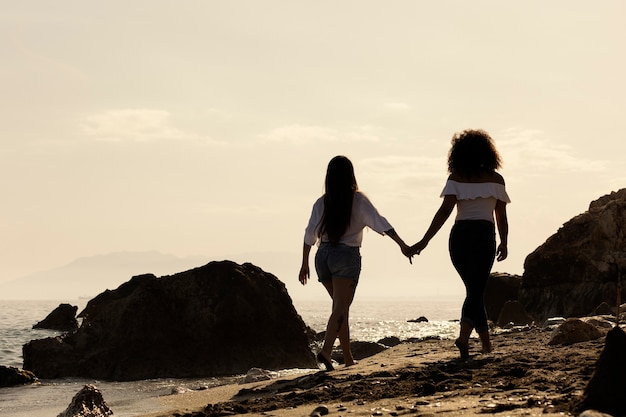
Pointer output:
x,y
472,248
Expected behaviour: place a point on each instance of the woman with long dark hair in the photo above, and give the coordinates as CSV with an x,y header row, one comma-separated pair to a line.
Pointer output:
x,y
336,224
477,191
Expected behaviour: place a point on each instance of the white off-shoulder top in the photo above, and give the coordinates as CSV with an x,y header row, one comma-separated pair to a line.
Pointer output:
x,y
364,214
475,200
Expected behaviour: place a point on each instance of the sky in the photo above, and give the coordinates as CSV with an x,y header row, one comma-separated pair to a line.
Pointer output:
x,y
204,128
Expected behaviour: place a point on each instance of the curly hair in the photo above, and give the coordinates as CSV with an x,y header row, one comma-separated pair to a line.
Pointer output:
x,y
340,188
472,153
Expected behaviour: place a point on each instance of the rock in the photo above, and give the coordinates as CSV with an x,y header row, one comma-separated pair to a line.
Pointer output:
x,y
606,388
257,374
576,269
421,319
319,411
599,322
501,287
88,402
10,376
62,318
319,337
552,322
513,313
574,331
360,350
390,341
179,390
603,310
218,319
593,413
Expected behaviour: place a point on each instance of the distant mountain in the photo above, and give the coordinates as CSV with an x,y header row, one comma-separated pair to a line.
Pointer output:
x,y
89,276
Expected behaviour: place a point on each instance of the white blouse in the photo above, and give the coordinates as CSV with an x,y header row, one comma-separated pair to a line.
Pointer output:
x,y
475,200
364,214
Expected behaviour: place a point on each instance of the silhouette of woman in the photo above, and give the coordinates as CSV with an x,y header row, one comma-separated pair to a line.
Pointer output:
x,y
477,191
336,224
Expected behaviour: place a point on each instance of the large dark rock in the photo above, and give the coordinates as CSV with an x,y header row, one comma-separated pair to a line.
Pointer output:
x,y
62,318
219,319
501,287
577,268
606,388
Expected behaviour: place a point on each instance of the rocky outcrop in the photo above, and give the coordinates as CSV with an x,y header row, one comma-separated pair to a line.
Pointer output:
x,y
10,376
577,268
513,314
501,287
219,319
62,318
88,402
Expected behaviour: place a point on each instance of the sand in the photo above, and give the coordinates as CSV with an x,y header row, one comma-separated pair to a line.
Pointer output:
x,y
522,376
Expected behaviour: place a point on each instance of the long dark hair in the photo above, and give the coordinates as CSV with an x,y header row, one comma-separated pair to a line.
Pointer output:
x,y
340,188
472,153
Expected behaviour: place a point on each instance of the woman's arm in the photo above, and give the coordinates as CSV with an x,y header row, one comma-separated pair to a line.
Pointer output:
x,y
304,269
449,201
403,246
503,230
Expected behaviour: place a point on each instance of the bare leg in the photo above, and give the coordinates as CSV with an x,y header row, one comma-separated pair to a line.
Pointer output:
x,y
344,340
486,342
342,293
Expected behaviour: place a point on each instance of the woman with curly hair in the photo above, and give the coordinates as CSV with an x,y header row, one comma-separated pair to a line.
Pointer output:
x,y
336,224
477,191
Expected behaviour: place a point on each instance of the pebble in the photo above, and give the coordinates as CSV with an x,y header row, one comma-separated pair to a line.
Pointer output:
x,y
321,410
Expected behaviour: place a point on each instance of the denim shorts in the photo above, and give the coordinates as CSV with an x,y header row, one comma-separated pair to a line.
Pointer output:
x,y
337,260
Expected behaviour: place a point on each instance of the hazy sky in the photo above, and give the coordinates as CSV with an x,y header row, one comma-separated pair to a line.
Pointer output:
x,y
205,127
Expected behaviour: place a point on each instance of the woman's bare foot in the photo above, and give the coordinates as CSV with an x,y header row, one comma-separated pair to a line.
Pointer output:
x,y
327,363
463,348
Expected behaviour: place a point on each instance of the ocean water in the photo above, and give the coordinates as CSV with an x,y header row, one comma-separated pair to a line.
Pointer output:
x,y
370,320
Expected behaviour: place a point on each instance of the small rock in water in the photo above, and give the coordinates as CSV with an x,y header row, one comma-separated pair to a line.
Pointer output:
x,y
420,319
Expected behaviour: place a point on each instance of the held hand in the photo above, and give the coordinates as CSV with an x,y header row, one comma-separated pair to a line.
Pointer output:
x,y
418,247
502,252
304,274
406,251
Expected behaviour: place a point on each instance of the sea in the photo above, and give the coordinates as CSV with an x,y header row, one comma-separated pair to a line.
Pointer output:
x,y
370,320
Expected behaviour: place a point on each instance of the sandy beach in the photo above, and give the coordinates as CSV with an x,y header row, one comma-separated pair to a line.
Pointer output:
x,y
523,376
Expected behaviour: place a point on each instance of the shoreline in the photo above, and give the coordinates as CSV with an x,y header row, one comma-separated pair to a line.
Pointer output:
x,y
522,376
